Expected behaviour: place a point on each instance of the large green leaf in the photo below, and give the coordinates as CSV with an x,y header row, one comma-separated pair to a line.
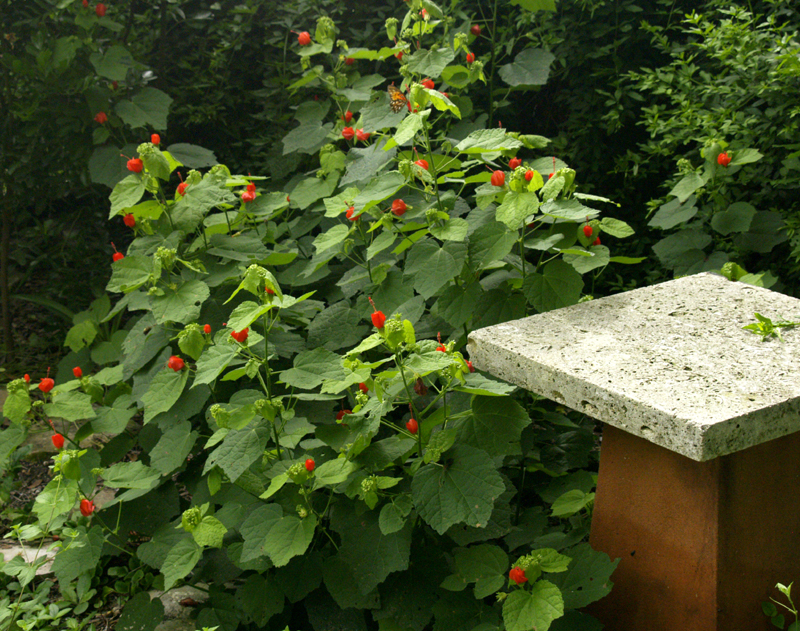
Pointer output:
x,y
735,218
130,475
587,578
536,5
516,207
267,531
147,108
261,598
239,449
192,156
673,213
126,194
57,498
141,614
172,448
379,189
212,362
72,406
164,390
432,266
311,368
599,257
130,273
673,249
558,285
79,555
461,491
430,63
490,242
536,608
530,67
182,305
180,560
114,64
487,140
495,425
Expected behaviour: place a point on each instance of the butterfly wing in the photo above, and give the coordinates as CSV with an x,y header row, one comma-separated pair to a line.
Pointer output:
x,y
397,100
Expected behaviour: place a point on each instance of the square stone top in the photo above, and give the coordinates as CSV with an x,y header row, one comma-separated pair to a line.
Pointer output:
x,y
670,363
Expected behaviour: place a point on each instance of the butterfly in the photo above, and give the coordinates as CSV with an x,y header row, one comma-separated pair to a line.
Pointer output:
x,y
396,99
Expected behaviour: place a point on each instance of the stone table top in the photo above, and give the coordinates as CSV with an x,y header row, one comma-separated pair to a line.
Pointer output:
x,y
670,363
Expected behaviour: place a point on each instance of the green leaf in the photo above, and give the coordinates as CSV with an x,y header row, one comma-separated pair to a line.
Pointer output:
x,y
736,218
333,237
81,555
192,156
241,247
198,200
559,285
570,503
673,213
147,108
587,578
536,5
239,449
10,438
432,266
745,156
267,531
463,490
180,560
454,229
490,242
172,448
141,614
57,498
524,610
212,362
599,256
391,518
333,472
517,207
130,475
530,67
670,250
16,406
456,304
261,597
616,228
71,406
688,185
164,390
379,189
476,383
130,273
487,140
495,425
126,194
765,232
408,128
430,63
181,306
209,532
382,241
483,561
311,368
245,314
569,209
114,64
192,342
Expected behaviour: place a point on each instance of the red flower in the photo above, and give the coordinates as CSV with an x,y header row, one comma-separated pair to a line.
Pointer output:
x,y
362,135
310,464
182,188
424,14
117,256
528,175
351,214
46,384
77,372
349,61
155,139
428,83
87,507
304,38
176,363
378,317
241,336
412,426
27,378
400,55
129,220
441,348
251,187
596,241
363,387
342,414
723,159
470,366
470,58
101,118
207,329
348,133
100,9
269,291
85,4
58,441
517,575
135,165
587,231
498,178
422,163
399,207
248,196
514,163
475,29
348,116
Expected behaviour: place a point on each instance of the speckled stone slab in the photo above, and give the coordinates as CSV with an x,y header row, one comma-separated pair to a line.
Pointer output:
x,y
670,363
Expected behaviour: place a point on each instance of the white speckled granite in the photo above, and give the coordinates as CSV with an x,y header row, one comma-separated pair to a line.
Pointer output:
x,y
670,363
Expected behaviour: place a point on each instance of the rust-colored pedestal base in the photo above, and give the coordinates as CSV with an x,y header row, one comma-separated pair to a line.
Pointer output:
x,y
702,543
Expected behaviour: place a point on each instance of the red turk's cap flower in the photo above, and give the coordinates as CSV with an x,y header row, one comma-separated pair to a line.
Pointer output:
x,y
475,29
470,366
363,387
348,133
362,135
135,165
351,214
85,4
46,384
251,186
587,231
422,163
400,55
428,83
470,58
176,363
77,372
117,256
241,336
723,159
248,196
206,329
349,61
310,464
27,378
182,188
441,348
348,116
101,118
399,207
514,163
498,178
58,441
155,139
100,9
596,241
528,175
304,38
87,507
342,414
412,426
378,317
269,291
517,574
129,220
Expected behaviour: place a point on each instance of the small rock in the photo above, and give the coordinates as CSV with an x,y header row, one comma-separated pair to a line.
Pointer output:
x,y
173,609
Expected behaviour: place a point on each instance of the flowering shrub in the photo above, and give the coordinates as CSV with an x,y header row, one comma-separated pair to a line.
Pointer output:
x,y
315,443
